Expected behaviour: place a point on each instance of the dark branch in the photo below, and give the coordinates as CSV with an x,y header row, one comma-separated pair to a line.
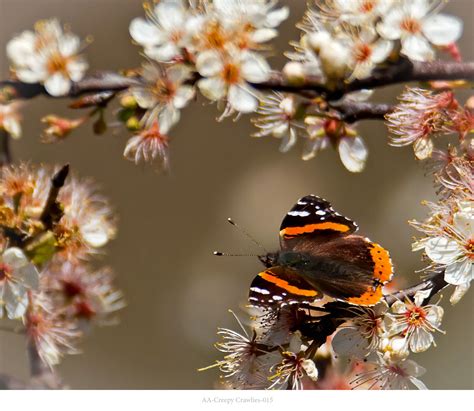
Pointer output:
x,y
52,212
354,111
435,282
103,81
402,72
5,154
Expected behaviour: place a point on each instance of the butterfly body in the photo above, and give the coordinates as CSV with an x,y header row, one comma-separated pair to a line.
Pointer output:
x,y
320,255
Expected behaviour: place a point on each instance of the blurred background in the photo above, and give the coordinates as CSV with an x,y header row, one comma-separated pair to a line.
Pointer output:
x,y
177,292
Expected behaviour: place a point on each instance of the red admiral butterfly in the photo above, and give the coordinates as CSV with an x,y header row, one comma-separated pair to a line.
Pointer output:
x,y
321,255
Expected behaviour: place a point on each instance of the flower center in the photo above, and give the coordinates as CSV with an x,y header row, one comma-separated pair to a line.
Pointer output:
x,y
164,90
367,6
71,288
214,37
363,53
57,63
398,370
411,25
470,249
231,73
5,272
416,316
154,133
176,36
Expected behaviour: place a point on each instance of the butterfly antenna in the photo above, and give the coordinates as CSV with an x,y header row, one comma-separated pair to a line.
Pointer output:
x,y
247,234
221,254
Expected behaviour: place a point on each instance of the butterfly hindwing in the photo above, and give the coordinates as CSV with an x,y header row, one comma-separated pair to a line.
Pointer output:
x,y
350,268
313,218
279,286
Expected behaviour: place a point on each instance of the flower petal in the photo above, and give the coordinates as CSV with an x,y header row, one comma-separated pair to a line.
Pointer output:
x,y
423,148
57,85
420,340
94,233
209,63
183,95
442,250
349,341
460,272
242,99
255,68
464,224
15,300
15,258
213,88
145,33
459,292
353,153
163,53
441,29
417,48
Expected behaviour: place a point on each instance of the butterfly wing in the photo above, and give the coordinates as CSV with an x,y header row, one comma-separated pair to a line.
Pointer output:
x,y
279,286
351,268
342,265
313,219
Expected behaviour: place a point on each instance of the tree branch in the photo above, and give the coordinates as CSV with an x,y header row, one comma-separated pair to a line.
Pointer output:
x,y
5,154
352,111
52,212
435,282
402,72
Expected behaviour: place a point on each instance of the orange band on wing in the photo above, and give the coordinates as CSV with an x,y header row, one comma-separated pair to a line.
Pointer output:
x,y
286,286
309,228
370,297
383,269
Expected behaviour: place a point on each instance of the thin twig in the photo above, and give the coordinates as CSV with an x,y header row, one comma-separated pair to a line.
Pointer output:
x,y
52,212
402,72
5,153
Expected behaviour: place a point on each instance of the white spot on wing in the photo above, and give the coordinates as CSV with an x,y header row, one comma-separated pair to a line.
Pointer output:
x,y
299,213
259,290
321,212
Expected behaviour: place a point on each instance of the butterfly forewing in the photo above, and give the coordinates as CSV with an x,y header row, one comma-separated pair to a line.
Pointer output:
x,y
313,219
279,286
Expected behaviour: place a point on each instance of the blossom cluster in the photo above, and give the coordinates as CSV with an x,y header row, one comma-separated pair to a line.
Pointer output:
x,y
344,41
214,47
49,55
419,119
46,278
286,117
284,350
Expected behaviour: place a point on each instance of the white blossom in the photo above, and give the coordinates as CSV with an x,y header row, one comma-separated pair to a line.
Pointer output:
x,y
228,76
17,277
453,247
163,93
415,322
10,119
50,56
168,30
419,27
392,375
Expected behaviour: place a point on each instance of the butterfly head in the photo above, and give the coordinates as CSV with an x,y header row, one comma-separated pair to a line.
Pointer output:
x,y
269,259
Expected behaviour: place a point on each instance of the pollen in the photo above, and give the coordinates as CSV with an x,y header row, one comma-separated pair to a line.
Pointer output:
x,y
5,272
363,53
415,316
411,25
57,64
367,6
231,73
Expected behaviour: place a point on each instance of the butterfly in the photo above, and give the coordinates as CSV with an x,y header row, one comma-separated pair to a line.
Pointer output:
x,y
321,256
